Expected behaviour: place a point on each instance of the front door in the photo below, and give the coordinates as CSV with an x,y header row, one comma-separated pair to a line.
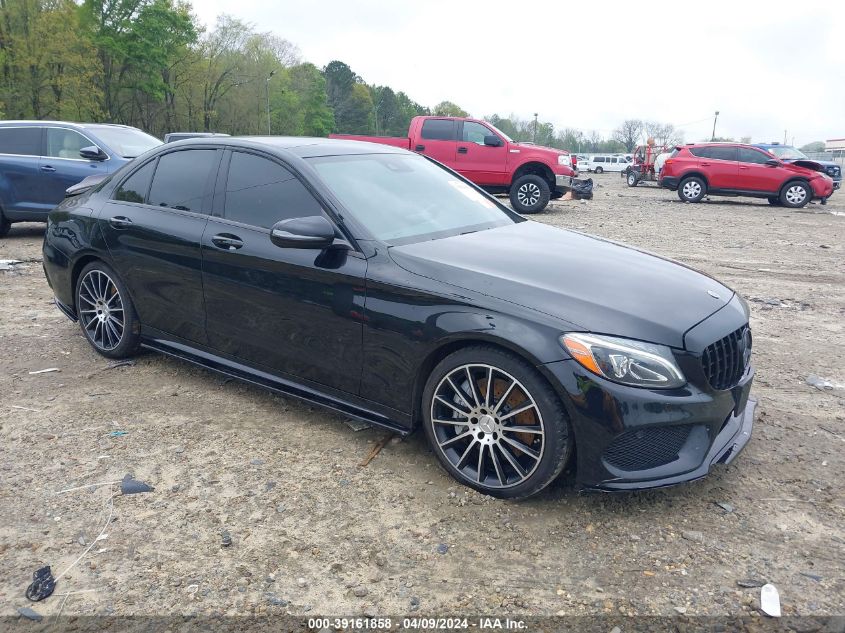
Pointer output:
x,y
482,164
153,226
294,311
756,175
62,166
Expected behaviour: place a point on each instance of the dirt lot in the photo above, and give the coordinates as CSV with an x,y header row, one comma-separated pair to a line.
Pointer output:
x,y
314,533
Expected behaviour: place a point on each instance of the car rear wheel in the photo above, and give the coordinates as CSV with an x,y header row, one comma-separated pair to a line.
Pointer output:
x,y
632,179
692,189
530,194
106,314
599,169
795,194
494,423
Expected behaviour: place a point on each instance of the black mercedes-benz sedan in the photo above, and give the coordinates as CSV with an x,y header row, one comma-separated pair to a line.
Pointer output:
x,y
378,283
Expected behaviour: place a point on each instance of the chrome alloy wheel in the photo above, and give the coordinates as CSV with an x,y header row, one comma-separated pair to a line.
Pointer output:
x,y
528,194
101,310
487,425
796,194
691,190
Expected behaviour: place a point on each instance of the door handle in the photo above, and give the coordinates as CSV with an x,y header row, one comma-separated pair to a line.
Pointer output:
x,y
462,150
47,168
120,222
741,167
705,164
227,241
419,148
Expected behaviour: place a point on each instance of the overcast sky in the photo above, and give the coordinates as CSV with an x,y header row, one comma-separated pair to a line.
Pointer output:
x,y
766,66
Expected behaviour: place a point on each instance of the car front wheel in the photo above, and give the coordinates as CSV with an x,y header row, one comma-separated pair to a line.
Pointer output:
x,y
692,189
599,169
795,195
494,423
530,194
106,314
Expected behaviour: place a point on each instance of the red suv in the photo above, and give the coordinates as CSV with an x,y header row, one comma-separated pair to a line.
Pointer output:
x,y
731,169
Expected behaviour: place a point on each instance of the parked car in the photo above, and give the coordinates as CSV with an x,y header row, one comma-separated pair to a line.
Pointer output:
x,y
789,154
39,160
383,285
529,173
181,136
732,169
602,162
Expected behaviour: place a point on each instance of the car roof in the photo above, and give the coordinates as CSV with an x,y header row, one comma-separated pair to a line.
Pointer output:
x,y
300,146
83,126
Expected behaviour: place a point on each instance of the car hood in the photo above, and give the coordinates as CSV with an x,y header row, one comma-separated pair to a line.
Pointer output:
x,y
595,284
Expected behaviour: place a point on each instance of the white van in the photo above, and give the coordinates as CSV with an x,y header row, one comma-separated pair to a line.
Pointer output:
x,y
602,163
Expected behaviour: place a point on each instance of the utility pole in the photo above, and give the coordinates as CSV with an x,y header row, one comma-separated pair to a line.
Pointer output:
x,y
713,136
784,137
534,140
272,72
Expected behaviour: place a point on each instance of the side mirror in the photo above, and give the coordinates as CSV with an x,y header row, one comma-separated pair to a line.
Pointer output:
x,y
93,153
310,232
773,162
492,140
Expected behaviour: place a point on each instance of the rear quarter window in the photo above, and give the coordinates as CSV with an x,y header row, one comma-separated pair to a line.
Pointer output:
x,y
439,130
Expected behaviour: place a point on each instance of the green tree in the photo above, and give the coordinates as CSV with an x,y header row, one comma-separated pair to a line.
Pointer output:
x,y
447,108
815,146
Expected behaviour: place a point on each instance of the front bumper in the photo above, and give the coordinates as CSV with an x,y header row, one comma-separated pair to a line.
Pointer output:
x,y
710,427
562,182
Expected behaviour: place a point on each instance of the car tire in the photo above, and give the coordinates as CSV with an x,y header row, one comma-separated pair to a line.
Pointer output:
x,y
106,313
599,169
5,225
692,189
774,201
632,179
530,194
795,194
466,430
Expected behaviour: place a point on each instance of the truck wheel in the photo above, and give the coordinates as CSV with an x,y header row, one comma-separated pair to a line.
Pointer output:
x,y
530,194
5,225
795,194
599,169
633,181
692,189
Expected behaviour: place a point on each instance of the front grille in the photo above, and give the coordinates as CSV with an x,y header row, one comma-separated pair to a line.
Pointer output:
x,y
724,361
647,448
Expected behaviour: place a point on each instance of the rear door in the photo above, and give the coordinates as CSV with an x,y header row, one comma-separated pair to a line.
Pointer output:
x,y
439,139
153,226
755,174
293,311
20,178
718,163
482,164
61,164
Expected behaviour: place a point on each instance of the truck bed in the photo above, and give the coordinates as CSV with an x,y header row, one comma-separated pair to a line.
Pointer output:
x,y
396,141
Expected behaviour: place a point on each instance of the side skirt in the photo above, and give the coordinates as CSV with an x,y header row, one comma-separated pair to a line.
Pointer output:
x,y
346,404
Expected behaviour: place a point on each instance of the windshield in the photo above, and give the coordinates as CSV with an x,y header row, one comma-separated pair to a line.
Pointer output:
x,y
784,152
403,198
126,141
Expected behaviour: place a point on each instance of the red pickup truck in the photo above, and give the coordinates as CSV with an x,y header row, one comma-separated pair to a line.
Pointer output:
x,y
530,174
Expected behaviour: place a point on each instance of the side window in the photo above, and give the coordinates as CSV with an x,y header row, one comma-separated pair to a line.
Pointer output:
x,y
180,180
439,130
747,155
22,141
260,192
475,132
598,159
134,188
62,143
701,152
723,153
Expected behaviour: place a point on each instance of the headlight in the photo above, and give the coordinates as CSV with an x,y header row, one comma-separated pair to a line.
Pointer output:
x,y
563,159
625,361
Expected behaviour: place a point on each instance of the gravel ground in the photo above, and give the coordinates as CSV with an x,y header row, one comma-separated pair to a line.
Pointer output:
x,y
313,532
